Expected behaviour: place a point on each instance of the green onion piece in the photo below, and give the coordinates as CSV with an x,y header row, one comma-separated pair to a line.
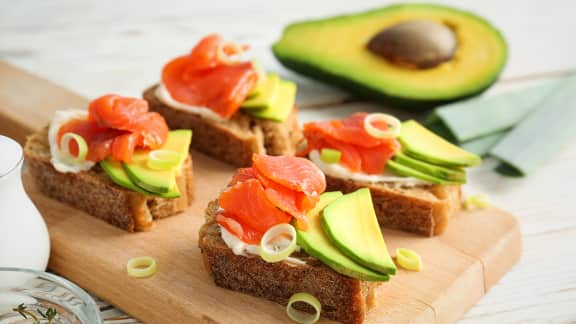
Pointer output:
x,y
271,249
300,316
141,267
478,201
82,148
163,159
393,123
408,259
330,155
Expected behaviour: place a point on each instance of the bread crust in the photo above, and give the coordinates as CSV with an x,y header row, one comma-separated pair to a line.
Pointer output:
x,y
233,140
424,210
94,192
343,298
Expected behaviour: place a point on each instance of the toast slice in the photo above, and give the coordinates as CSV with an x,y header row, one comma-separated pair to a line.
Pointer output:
x,y
422,209
233,140
343,298
94,192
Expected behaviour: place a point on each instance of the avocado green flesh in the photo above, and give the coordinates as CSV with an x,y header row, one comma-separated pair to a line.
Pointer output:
x,y
139,177
441,172
350,223
315,242
422,144
159,181
411,172
282,105
334,50
119,176
267,95
156,181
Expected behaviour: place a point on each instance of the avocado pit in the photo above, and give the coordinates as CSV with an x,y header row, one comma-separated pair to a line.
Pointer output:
x,y
419,44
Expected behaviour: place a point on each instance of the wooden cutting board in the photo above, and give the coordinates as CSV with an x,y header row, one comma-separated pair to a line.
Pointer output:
x,y
459,266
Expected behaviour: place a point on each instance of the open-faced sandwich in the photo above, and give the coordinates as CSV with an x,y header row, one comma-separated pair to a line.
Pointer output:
x,y
117,161
414,176
233,107
274,233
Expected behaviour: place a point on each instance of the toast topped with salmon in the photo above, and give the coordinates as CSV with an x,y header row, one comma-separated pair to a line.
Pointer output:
x,y
117,161
234,108
274,233
415,176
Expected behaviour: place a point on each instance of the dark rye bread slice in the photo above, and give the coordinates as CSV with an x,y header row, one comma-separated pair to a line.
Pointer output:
x,y
343,298
233,140
94,192
422,209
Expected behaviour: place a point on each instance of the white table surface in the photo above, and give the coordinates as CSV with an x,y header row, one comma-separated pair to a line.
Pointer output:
x,y
97,47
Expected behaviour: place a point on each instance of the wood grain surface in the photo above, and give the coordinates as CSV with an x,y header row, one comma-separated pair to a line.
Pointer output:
x,y
478,248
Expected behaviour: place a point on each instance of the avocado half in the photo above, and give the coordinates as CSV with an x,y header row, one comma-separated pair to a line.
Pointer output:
x,y
334,50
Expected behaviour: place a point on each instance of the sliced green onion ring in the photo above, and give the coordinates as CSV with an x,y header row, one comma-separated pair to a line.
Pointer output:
x,y
330,156
229,59
141,267
270,250
300,316
394,126
479,201
65,148
163,159
408,259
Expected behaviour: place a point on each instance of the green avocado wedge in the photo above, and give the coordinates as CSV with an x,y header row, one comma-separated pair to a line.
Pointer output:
x,y
315,242
160,182
282,105
351,225
334,50
411,172
422,144
119,176
449,174
266,97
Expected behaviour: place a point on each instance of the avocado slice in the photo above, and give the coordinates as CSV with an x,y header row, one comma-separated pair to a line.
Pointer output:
x,y
420,143
315,242
179,140
282,105
449,174
335,50
266,96
159,181
119,176
350,223
411,172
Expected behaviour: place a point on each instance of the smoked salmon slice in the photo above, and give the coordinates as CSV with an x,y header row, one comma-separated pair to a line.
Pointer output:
x,y
204,78
295,173
243,232
361,152
247,203
115,127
